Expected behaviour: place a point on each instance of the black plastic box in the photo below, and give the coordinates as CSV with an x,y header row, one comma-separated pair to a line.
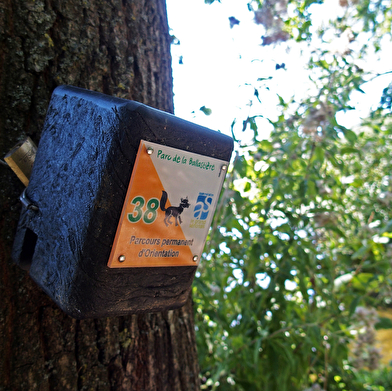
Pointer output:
x,y
79,181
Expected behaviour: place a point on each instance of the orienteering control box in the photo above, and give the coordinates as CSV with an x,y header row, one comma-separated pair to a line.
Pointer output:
x,y
119,204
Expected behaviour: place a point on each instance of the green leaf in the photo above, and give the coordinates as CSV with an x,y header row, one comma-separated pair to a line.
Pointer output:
x,y
206,110
311,188
354,305
256,351
265,145
350,136
363,281
383,323
319,153
240,166
349,151
359,254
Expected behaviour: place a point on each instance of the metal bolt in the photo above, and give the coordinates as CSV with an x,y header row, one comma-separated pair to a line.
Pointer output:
x,y
195,258
222,168
150,150
121,258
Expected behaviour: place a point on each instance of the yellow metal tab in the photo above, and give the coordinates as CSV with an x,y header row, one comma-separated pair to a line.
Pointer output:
x,y
21,159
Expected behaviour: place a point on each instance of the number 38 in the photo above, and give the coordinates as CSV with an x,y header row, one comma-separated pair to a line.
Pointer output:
x,y
147,212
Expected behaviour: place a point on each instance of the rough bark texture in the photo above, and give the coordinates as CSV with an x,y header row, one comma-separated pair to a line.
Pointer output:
x,y
120,48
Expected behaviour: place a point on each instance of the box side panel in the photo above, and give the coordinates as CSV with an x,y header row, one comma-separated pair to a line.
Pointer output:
x,y
137,289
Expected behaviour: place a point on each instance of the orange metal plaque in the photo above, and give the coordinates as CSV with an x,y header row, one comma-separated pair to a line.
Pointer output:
x,y
168,209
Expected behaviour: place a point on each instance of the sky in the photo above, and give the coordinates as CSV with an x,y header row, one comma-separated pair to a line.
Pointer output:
x,y
216,66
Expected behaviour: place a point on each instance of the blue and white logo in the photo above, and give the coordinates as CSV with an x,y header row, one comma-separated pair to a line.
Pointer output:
x,y
202,207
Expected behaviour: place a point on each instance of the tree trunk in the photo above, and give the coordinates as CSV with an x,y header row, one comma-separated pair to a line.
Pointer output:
x,y
121,48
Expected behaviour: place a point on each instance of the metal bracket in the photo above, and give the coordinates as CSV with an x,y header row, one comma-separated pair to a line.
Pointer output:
x,y
21,159
27,203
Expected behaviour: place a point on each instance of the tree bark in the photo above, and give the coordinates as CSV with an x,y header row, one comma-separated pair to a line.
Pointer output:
x,y
121,48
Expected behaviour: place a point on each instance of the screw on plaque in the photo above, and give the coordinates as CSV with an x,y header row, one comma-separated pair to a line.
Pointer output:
x,y
150,150
195,258
222,168
121,258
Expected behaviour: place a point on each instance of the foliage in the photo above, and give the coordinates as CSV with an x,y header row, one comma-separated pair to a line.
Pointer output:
x,y
380,380
301,239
